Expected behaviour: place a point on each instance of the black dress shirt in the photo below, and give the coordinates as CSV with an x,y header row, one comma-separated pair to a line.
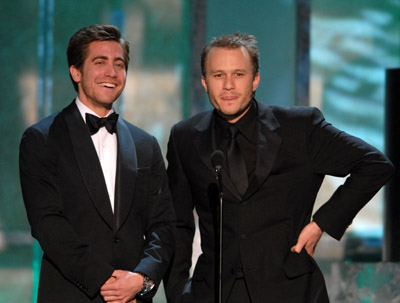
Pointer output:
x,y
247,136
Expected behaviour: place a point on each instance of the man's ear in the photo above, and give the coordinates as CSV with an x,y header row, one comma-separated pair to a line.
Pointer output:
x,y
75,73
256,81
204,83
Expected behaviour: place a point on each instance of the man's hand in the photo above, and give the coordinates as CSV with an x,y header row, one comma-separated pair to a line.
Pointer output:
x,y
308,238
122,287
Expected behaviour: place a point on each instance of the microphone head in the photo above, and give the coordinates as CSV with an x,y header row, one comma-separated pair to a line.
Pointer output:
x,y
217,158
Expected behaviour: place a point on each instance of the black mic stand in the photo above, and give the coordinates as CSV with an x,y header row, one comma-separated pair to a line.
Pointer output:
x,y
217,159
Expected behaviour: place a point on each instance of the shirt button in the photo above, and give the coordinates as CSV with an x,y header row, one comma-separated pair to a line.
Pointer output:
x,y
243,236
116,240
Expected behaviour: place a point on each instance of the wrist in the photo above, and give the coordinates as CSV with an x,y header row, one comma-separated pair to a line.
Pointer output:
x,y
148,284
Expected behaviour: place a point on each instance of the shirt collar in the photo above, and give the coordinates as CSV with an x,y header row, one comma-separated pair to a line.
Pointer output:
x,y
248,123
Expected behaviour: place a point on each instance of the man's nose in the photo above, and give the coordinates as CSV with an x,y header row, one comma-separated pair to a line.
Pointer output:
x,y
228,83
111,71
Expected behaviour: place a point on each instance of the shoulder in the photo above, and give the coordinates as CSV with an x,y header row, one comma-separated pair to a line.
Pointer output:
x,y
289,115
54,121
145,143
291,112
36,142
136,132
201,120
40,129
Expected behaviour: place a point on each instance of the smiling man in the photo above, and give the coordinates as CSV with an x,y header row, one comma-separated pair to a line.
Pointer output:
x,y
95,186
275,160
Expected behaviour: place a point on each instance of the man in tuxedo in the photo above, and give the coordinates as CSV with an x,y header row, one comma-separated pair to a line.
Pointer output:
x,y
95,186
275,159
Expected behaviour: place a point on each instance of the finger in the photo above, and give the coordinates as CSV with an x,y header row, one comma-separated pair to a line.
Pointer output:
x,y
111,280
299,245
109,286
297,248
110,294
310,250
110,298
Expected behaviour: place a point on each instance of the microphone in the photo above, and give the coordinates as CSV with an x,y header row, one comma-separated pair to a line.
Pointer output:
x,y
217,158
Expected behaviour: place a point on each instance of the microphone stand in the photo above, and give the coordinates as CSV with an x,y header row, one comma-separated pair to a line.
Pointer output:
x,y
219,179
217,159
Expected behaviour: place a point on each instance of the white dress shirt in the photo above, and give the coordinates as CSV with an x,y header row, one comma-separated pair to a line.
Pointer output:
x,y
106,147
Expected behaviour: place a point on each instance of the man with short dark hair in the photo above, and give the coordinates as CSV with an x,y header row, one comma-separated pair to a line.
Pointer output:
x,y
275,159
95,186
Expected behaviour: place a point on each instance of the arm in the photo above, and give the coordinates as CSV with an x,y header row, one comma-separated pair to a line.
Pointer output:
x,y
41,192
178,273
160,231
336,153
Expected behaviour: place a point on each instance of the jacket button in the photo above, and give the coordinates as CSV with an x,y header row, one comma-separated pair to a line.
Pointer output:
x,y
243,236
244,203
116,240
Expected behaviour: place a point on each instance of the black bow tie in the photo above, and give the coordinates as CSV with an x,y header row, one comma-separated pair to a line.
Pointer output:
x,y
95,123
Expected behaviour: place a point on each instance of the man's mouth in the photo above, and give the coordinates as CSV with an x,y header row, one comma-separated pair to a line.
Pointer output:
x,y
108,85
229,97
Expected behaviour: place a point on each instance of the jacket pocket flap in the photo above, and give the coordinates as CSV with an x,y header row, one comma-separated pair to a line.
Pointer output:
x,y
297,265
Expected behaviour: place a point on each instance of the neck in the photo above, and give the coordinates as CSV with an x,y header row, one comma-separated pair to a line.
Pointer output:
x,y
102,109
236,117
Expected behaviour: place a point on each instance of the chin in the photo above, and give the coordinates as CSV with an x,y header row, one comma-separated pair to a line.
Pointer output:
x,y
108,103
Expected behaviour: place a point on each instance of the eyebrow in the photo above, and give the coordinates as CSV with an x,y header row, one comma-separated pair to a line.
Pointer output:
x,y
106,58
224,71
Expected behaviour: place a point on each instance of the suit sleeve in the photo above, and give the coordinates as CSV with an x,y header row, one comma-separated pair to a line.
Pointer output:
x,y
160,229
177,278
334,152
61,246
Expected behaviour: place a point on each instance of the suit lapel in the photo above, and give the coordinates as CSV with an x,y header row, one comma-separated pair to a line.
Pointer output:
x,y
205,145
126,174
268,143
88,162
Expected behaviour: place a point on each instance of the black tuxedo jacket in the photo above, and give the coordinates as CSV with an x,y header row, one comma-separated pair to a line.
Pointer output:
x,y
296,147
70,213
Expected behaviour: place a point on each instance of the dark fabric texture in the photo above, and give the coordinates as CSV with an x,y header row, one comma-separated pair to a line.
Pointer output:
x,y
296,148
70,213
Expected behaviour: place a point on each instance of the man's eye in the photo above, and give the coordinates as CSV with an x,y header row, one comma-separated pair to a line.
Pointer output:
x,y
239,74
217,75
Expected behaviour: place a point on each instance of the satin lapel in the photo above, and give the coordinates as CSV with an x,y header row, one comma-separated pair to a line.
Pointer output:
x,y
126,174
205,146
88,162
268,143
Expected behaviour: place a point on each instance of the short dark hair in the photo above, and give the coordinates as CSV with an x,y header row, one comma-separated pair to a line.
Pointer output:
x,y
79,42
236,40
